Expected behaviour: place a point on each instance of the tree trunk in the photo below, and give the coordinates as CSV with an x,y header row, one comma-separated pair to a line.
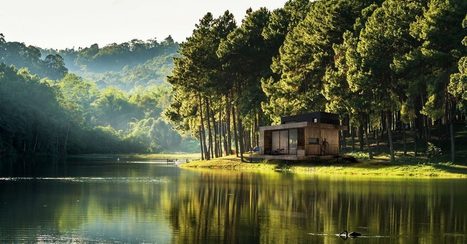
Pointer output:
x,y
208,116
201,143
353,138
391,146
425,130
255,131
377,136
404,139
221,136
259,123
229,135
370,154
216,141
235,124
451,133
383,125
342,139
224,136
241,135
415,139
65,143
220,130
360,135
344,132
203,133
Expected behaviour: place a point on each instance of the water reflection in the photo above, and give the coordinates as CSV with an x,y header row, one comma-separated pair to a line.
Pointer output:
x,y
96,201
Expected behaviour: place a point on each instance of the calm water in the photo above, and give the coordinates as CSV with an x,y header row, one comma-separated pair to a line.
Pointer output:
x,y
110,201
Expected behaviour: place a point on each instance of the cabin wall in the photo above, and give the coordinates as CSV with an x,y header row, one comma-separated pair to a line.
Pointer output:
x,y
332,139
307,141
314,137
312,148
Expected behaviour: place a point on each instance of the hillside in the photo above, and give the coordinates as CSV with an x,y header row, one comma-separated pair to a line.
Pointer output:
x,y
20,55
126,65
107,102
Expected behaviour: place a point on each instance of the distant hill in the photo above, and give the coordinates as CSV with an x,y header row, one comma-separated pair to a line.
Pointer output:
x,y
126,65
19,55
90,100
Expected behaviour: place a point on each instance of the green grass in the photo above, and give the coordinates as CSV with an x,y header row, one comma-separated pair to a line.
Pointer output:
x,y
372,168
231,163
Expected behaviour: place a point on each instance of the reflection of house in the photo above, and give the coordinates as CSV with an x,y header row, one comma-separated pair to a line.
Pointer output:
x,y
301,137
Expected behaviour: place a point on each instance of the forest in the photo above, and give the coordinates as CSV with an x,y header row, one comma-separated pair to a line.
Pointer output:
x,y
394,71
126,65
46,108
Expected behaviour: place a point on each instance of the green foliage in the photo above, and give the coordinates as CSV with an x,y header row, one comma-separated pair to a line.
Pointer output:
x,y
72,115
440,32
29,112
36,118
198,73
458,82
126,65
22,56
247,56
381,64
368,60
146,131
306,54
432,150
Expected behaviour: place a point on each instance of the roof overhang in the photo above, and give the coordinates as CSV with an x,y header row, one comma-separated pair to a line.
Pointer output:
x,y
284,126
296,125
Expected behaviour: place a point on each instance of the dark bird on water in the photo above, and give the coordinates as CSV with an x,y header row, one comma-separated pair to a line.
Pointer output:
x,y
344,234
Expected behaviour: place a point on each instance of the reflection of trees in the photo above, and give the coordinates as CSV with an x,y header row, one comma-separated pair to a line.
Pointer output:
x,y
240,207
233,207
86,209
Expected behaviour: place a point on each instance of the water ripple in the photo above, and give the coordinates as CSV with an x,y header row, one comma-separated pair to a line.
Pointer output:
x,y
90,179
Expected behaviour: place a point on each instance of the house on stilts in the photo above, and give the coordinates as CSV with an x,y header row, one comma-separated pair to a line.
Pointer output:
x,y
301,137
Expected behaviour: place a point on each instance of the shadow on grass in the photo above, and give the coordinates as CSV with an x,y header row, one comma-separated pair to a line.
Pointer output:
x,y
342,161
451,168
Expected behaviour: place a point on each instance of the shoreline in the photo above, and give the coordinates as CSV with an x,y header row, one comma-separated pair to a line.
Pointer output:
x,y
359,169
138,156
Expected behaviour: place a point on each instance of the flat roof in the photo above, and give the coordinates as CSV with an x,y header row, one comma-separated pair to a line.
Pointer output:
x,y
319,117
296,125
285,126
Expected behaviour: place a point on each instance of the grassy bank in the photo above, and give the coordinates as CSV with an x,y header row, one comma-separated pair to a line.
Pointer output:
x,y
373,168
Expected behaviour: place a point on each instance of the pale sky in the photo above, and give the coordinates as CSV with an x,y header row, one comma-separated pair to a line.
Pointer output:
x,y
75,23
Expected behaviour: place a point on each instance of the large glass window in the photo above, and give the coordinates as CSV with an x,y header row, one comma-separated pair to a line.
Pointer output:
x,y
284,141
275,142
280,142
293,141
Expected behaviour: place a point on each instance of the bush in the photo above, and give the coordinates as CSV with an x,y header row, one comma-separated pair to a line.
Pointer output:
x,y
432,150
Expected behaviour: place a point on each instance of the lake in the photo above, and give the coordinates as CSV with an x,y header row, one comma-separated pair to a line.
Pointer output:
x,y
115,201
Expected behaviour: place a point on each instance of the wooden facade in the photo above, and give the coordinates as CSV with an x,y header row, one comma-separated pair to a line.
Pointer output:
x,y
301,137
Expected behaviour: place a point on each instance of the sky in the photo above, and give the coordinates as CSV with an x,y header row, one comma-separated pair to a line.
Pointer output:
x,y
80,23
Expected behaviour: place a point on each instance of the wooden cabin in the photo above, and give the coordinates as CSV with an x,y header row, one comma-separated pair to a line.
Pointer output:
x,y
301,137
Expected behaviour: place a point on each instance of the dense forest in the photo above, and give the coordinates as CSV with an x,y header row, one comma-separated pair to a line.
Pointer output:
x,y
393,70
127,65
46,108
